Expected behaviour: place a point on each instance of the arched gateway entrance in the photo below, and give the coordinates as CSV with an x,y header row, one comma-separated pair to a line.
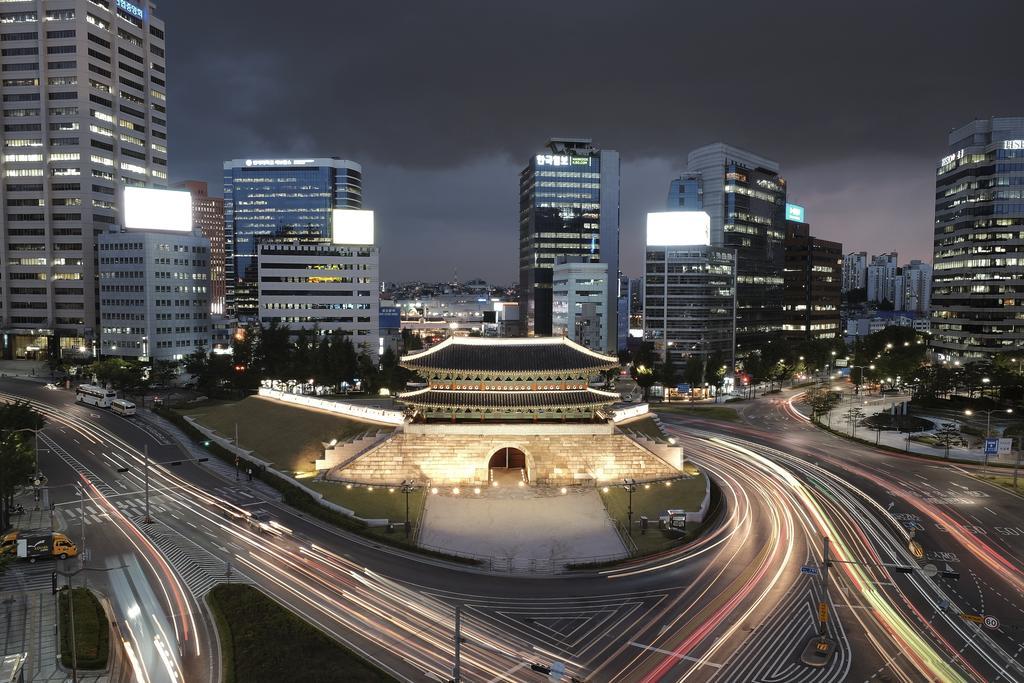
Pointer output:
x,y
507,465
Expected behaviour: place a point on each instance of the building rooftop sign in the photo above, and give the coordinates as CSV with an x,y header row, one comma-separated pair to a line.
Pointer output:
x,y
795,212
352,226
678,228
148,208
279,162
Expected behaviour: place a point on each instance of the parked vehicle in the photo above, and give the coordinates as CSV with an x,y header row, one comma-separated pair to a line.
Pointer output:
x,y
92,395
122,407
33,546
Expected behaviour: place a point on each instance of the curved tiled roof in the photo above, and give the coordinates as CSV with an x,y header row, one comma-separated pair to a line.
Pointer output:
x,y
514,356
461,400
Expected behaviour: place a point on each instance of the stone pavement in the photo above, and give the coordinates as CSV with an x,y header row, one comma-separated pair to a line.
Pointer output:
x,y
522,528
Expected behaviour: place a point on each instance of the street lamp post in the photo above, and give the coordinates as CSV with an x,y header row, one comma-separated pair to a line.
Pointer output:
x,y
988,425
630,486
407,488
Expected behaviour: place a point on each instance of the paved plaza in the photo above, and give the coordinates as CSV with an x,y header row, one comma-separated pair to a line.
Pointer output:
x,y
522,525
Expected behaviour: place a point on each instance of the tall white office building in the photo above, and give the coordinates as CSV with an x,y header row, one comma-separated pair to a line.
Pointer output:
x,y
84,114
327,286
913,288
154,280
881,278
579,302
855,271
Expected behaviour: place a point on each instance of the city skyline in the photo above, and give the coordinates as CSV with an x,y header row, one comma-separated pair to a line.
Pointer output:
x,y
865,172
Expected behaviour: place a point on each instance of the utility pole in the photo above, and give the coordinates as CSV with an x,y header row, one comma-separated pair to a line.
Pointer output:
x,y
1016,467
823,632
456,669
145,454
81,517
74,639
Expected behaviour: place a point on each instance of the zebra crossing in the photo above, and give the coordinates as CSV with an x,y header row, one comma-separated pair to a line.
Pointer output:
x,y
199,569
132,508
27,577
77,466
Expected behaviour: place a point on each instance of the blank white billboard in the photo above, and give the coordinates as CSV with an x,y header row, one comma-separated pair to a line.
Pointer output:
x,y
673,228
352,226
151,209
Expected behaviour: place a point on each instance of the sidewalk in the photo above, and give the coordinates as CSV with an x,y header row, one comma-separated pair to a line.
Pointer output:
x,y
30,627
37,371
899,440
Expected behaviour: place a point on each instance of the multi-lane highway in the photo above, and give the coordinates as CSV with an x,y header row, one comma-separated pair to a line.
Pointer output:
x,y
732,606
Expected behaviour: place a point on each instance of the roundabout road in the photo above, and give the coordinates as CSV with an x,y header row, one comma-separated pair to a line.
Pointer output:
x,y
731,606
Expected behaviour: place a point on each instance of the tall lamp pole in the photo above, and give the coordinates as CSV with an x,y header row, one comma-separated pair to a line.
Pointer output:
x,y
408,487
988,425
630,486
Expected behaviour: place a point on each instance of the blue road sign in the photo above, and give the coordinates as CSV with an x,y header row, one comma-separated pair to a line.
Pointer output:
x,y
806,569
991,446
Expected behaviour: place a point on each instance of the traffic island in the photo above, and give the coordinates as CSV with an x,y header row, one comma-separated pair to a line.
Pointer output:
x,y
262,641
90,648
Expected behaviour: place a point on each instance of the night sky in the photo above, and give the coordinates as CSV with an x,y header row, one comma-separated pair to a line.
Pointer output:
x,y
443,103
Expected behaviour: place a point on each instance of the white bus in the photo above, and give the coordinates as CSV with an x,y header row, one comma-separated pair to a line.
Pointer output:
x,y
122,407
92,395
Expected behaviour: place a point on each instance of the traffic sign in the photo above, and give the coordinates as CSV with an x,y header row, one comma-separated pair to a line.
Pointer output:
x,y
991,622
823,612
976,618
809,570
991,446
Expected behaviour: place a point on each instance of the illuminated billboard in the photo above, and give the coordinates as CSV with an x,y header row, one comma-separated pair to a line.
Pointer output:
x,y
795,212
147,208
352,226
674,228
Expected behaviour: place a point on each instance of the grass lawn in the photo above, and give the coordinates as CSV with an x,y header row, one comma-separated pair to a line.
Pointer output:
x,y
652,500
709,412
92,630
380,503
288,436
1005,481
262,641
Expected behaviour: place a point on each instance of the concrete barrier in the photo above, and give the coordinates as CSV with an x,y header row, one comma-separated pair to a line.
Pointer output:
x,y
356,412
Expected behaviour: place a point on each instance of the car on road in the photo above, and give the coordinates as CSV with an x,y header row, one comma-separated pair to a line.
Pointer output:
x,y
261,522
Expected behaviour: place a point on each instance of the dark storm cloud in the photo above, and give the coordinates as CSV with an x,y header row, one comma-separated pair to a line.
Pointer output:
x,y
443,102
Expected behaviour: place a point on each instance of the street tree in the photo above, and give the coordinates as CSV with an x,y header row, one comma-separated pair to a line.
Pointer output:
x,y
821,401
642,369
17,459
854,415
947,435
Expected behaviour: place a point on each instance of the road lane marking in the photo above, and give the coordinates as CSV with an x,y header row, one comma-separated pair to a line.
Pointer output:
x,y
673,654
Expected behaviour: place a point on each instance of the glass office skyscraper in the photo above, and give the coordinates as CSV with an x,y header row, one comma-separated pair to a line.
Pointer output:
x,y
977,283
746,200
279,199
568,206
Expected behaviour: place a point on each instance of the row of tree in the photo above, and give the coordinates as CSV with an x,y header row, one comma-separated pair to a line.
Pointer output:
x,y
17,455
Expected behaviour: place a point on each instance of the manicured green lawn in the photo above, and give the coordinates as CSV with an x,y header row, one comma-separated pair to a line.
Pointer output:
x,y
92,630
1006,481
653,500
709,412
379,503
263,642
288,436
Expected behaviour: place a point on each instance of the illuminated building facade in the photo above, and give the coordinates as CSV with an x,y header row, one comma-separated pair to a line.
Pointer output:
x,y
813,291
568,206
84,115
279,199
745,197
977,297
208,218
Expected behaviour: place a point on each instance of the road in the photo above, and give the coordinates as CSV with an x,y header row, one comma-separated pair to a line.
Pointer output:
x,y
731,606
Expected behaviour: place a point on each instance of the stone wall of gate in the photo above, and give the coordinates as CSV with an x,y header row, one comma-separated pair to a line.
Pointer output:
x,y
458,455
